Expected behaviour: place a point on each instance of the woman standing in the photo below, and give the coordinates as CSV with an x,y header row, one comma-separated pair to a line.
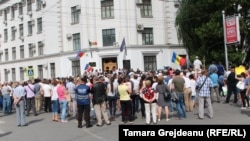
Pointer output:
x,y
141,86
149,97
54,101
126,104
112,97
162,103
243,94
61,90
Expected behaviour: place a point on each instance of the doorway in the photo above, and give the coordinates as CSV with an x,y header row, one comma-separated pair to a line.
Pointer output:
x,y
109,64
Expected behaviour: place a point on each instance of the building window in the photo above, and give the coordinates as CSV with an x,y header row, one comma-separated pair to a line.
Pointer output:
x,y
146,8
107,9
76,41
40,48
20,8
39,25
150,63
108,37
29,5
5,35
14,53
13,74
147,36
20,30
40,71
29,28
38,5
76,68
21,51
6,53
21,71
52,70
6,73
5,17
12,12
13,33
75,13
31,50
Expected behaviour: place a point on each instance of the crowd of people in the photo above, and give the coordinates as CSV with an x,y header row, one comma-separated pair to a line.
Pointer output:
x,y
128,93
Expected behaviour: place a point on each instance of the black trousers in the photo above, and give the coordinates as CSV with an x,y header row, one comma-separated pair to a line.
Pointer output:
x,y
47,104
83,109
30,102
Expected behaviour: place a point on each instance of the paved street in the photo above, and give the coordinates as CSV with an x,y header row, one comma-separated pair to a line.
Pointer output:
x,y
41,128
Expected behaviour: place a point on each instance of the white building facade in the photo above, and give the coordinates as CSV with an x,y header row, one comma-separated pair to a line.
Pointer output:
x,y
41,38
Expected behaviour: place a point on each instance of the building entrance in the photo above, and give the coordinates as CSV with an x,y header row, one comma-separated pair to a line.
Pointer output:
x,y
109,64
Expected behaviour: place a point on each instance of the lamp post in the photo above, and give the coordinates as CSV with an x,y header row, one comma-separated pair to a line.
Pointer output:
x,y
225,44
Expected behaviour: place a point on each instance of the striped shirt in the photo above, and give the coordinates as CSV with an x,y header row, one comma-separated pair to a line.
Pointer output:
x,y
205,89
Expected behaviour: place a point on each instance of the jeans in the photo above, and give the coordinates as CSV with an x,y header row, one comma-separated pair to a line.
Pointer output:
x,y
54,105
135,103
181,110
63,107
112,105
6,103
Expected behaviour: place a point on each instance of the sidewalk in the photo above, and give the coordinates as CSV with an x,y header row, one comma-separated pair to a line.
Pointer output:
x,y
42,128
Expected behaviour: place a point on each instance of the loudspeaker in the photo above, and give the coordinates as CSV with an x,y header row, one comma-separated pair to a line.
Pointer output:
x,y
126,64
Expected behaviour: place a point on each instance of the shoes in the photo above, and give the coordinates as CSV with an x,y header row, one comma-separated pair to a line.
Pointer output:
x,y
64,121
108,123
131,122
98,125
243,108
79,126
159,119
167,119
199,118
24,125
88,125
36,115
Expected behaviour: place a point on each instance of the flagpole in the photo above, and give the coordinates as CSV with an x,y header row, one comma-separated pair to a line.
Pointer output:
x,y
225,44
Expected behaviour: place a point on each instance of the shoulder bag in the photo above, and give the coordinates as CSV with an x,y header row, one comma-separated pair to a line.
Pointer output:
x,y
199,88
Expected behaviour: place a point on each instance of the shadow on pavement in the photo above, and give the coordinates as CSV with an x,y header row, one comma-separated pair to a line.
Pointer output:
x,y
5,134
247,112
34,121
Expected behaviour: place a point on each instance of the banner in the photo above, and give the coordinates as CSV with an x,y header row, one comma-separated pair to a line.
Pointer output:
x,y
232,29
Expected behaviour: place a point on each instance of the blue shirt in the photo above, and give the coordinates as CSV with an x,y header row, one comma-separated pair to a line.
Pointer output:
x,y
82,94
19,91
214,78
205,89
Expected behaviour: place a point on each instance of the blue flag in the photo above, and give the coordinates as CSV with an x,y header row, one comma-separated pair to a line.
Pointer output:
x,y
123,45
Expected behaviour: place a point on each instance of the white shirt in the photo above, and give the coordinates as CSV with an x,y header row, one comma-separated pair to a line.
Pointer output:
x,y
54,93
197,64
187,82
193,85
136,85
47,90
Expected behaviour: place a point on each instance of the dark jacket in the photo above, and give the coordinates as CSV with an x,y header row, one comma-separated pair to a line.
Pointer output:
x,y
99,93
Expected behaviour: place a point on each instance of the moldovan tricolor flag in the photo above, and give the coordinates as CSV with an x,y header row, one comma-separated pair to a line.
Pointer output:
x,y
178,59
80,54
88,68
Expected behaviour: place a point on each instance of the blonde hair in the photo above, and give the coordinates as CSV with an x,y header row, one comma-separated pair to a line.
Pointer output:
x,y
148,83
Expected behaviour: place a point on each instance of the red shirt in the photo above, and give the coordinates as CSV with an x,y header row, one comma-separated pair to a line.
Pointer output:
x,y
148,93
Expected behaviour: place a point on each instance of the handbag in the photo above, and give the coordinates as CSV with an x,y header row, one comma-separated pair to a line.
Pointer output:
x,y
240,85
167,95
174,96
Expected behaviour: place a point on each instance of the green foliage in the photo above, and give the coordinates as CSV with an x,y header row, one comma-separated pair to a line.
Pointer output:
x,y
200,28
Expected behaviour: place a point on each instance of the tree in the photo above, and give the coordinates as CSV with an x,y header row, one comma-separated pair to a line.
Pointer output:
x,y
200,28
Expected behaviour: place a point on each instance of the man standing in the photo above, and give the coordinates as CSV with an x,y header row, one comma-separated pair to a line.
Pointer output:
x,y
29,88
19,94
83,102
5,90
71,90
231,86
204,83
197,65
99,101
178,85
